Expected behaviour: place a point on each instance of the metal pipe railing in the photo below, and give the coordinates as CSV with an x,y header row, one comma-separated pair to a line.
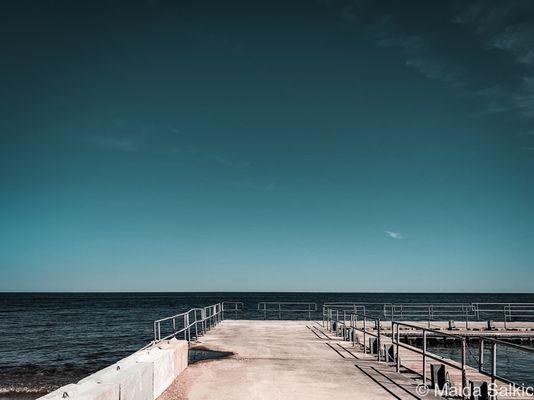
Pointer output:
x,y
354,318
339,317
198,320
395,339
429,312
281,307
462,366
237,307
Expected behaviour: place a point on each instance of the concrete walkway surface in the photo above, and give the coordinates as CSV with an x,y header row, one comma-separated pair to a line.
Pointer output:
x,y
279,360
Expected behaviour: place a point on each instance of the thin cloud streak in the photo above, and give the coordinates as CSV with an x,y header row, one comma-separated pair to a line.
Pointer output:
x,y
394,235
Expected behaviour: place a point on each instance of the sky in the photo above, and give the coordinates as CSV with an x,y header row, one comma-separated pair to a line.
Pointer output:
x,y
267,146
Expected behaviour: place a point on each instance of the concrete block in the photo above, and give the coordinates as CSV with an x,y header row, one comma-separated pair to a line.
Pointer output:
x,y
143,375
60,393
163,363
86,391
135,379
180,349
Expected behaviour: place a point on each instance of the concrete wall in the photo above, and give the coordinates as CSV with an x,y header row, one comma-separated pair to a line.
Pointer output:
x,y
143,375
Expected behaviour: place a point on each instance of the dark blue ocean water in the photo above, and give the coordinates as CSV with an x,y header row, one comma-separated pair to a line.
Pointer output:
x,y
48,340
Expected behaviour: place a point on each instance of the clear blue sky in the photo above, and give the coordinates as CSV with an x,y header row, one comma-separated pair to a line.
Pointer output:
x,y
329,145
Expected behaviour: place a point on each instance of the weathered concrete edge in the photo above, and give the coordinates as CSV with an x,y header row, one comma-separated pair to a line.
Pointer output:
x,y
143,375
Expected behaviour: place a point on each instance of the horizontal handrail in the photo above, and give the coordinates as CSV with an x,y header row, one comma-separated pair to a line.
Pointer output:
x,y
349,323
237,307
282,307
190,321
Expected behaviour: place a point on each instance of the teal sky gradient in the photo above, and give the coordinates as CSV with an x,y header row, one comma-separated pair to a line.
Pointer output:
x,y
327,146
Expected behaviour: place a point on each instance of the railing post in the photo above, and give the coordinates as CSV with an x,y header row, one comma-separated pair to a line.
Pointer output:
x,y
424,358
186,327
493,363
464,370
378,341
398,348
466,318
364,330
212,317
196,327
353,327
480,355
344,326
155,331
309,311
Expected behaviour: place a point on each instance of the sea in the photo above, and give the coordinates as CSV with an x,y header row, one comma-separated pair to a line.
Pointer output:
x,y
51,339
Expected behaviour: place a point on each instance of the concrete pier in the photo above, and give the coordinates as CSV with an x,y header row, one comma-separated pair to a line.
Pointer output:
x,y
286,360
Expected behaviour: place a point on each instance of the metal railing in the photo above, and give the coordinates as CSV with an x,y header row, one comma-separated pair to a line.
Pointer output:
x,y
280,307
374,309
344,323
347,332
430,312
233,307
509,311
465,351
395,339
494,342
196,321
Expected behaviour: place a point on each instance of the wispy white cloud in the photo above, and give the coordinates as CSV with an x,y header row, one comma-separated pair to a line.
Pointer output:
x,y
421,56
506,26
394,235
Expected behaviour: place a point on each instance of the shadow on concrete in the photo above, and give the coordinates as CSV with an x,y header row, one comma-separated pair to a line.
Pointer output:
x,y
201,353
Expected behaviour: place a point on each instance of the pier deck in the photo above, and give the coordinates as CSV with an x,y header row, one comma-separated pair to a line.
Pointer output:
x,y
286,360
